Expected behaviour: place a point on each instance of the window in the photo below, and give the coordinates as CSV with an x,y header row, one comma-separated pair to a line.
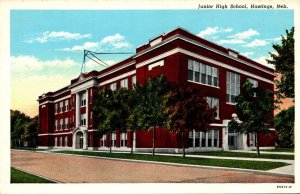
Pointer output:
x,y
60,141
201,73
133,79
56,109
56,125
66,141
67,105
83,119
254,83
216,138
113,139
203,139
67,123
103,140
83,99
213,102
232,86
61,123
124,83
55,141
252,139
123,139
113,86
61,104
209,138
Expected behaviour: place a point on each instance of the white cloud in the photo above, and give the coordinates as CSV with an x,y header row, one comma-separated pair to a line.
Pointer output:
x,y
256,43
213,30
25,63
61,35
228,30
247,53
112,39
112,42
209,31
262,60
231,41
245,35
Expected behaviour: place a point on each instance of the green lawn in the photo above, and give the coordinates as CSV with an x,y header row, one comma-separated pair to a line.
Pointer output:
x,y
280,150
245,155
255,165
18,176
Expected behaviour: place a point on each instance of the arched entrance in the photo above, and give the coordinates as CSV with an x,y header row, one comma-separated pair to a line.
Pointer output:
x,y
79,140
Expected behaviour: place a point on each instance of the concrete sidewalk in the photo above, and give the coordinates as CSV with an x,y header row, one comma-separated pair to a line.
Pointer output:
x,y
286,170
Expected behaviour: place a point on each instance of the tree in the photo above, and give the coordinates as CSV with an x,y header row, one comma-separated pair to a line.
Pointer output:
x,y
188,110
112,110
284,125
150,105
23,128
284,62
256,112
135,121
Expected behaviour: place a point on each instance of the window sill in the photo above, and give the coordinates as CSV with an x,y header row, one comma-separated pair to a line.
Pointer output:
x,y
204,84
231,103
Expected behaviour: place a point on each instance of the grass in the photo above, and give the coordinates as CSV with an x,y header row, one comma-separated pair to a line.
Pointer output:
x,y
18,176
255,165
280,150
245,155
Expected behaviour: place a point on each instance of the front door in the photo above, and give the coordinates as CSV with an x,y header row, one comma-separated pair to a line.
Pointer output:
x,y
81,142
232,141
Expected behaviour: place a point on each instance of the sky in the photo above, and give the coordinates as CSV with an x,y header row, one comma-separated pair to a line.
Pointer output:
x,y
47,45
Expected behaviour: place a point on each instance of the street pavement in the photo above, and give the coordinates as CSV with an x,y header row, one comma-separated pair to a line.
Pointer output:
x,y
80,169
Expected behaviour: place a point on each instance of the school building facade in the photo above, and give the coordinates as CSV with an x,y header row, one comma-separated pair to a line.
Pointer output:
x,y
66,117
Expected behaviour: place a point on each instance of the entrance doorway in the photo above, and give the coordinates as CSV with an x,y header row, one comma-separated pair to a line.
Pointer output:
x,y
79,140
233,139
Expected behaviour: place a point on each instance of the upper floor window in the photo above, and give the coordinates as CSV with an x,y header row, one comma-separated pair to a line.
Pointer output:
x,y
113,86
133,79
83,99
201,73
67,105
56,108
67,123
214,102
83,119
254,84
61,123
61,104
232,86
124,83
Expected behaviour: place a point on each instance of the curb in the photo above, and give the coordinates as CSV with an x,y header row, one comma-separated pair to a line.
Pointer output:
x,y
49,179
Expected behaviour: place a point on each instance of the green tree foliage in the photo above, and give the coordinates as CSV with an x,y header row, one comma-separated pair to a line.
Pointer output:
x,y
186,110
284,63
284,125
150,105
112,110
23,128
255,111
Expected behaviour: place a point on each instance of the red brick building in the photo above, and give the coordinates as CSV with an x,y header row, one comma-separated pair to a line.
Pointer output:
x,y
66,115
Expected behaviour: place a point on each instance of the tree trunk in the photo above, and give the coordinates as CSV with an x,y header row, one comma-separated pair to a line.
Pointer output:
x,y
132,142
110,138
154,140
182,140
257,144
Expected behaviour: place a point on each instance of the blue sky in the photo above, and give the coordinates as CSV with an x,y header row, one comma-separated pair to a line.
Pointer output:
x,y
46,46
